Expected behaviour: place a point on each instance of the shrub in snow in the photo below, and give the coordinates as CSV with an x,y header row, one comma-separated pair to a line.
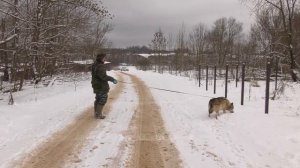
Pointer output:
x,y
279,92
254,83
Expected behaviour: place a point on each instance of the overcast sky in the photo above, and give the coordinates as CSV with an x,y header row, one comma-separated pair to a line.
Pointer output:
x,y
135,21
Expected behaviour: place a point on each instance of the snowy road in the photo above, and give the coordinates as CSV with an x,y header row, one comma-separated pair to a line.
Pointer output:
x,y
150,141
147,127
111,142
65,145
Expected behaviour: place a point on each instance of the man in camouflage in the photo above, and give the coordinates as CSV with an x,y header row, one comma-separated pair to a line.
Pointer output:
x,y
100,84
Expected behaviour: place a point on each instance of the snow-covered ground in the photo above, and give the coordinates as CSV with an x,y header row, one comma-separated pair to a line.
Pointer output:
x,y
246,138
105,141
38,113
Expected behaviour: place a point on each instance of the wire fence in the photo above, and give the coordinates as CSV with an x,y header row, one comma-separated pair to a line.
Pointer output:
x,y
241,73
267,71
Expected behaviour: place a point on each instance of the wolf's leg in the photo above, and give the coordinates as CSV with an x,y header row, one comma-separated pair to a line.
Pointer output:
x,y
217,113
210,110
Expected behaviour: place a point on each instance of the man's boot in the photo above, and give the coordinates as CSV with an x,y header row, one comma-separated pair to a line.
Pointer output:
x,y
95,110
99,114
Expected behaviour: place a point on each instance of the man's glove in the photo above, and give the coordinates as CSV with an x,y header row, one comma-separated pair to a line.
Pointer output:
x,y
114,81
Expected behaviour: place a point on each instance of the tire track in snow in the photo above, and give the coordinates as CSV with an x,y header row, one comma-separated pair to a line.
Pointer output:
x,y
149,140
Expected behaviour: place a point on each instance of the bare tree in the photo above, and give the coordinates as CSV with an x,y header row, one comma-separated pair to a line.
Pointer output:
x,y
39,37
198,42
223,37
170,42
285,11
159,44
181,50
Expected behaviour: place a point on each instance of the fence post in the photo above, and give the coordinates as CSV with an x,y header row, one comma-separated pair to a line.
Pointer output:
x,y
206,77
226,81
276,76
267,87
236,75
215,79
199,75
243,84
1,82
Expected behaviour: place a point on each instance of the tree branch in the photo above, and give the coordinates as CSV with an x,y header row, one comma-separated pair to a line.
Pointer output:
x,y
2,11
8,39
273,4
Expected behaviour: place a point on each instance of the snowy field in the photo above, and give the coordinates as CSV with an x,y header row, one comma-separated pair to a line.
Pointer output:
x,y
247,138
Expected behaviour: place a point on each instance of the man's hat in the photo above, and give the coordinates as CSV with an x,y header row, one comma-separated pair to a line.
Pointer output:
x,y
100,56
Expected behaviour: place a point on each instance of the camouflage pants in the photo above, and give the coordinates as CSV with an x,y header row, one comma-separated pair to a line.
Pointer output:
x,y
101,98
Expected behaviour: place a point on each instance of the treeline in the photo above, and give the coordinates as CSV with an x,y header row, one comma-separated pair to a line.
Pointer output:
x,y
274,35
39,37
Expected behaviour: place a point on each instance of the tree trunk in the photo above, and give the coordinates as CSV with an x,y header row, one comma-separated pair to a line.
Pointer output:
x,y
3,52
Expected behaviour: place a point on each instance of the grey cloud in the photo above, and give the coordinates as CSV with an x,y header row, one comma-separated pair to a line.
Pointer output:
x,y
135,21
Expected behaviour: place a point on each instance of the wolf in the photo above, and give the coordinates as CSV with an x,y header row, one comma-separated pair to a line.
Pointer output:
x,y
219,103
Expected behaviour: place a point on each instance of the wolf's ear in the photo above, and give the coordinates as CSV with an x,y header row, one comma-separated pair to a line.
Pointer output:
x,y
231,104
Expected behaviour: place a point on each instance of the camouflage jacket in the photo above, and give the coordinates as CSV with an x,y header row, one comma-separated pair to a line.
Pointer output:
x,y
100,79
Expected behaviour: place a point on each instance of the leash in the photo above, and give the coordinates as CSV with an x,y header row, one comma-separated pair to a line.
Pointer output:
x,y
167,90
